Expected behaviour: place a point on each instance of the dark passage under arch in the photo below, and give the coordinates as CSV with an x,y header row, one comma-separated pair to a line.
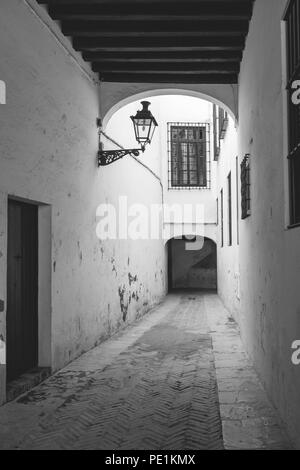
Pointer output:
x,y
192,265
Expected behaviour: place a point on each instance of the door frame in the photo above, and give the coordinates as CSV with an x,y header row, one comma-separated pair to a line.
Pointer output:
x,y
44,284
22,289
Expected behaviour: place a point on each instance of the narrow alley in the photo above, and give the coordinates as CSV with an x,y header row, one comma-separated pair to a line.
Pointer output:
x,y
149,224
179,378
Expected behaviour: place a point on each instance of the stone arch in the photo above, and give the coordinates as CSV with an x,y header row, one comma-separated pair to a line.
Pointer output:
x,y
114,96
207,231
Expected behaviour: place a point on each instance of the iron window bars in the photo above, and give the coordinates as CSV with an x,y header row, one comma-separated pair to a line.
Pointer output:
x,y
220,120
245,187
237,201
188,156
222,217
229,201
223,123
292,19
216,133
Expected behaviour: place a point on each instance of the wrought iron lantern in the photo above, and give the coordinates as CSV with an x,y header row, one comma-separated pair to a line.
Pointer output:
x,y
144,124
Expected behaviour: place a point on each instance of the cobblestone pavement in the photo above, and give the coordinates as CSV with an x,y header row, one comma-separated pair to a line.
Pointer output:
x,y
163,383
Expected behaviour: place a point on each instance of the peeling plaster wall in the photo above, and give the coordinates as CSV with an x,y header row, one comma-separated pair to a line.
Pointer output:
x,y
48,148
139,273
269,261
136,280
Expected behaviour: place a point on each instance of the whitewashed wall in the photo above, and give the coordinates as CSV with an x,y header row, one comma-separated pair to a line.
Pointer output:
x,y
48,147
269,253
228,256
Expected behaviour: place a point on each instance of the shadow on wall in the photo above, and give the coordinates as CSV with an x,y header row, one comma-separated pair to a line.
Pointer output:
x,y
190,268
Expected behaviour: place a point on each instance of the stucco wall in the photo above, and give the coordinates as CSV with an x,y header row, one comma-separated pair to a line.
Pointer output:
x,y
228,256
48,148
269,261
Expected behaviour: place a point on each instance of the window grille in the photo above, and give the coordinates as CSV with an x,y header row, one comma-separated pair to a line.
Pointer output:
x,y
220,123
223,123
292,19
222,218
229,210
216,133
189,155
237,201
245,187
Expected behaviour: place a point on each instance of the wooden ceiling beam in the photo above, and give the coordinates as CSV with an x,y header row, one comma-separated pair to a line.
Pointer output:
x,y
163,28
168,78
188,67
158,43
163,56
138,3
214,10
69,16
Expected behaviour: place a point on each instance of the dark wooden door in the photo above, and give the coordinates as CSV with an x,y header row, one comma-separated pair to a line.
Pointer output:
x,y
22,288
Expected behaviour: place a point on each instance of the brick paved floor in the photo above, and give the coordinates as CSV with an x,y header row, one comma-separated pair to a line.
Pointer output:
x,y
177,379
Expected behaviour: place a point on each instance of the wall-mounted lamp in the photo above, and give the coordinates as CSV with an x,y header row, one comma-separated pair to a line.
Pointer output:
x,y
144,125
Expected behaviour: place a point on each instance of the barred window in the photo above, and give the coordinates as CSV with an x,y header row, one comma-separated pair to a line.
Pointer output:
x,y
222,217
237,200
229,209
292,19
245,187
223,123
220,120
216,133
189,147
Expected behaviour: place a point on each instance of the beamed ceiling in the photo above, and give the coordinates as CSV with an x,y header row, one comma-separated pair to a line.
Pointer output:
x,y
157,41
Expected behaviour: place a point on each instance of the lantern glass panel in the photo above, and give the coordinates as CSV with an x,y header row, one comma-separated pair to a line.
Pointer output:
x,y
144,124
143,129
151,132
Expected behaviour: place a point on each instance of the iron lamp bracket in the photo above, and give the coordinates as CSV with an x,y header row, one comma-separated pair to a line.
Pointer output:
x,y
106,157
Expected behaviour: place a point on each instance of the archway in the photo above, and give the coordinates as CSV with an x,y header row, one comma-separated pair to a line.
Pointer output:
x,y
114,96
